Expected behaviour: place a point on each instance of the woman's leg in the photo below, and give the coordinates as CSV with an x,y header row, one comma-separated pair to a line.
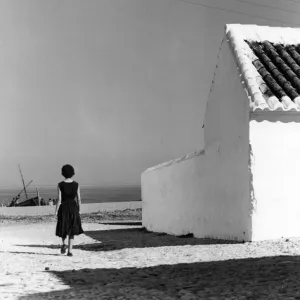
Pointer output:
x,y
63,247
70,244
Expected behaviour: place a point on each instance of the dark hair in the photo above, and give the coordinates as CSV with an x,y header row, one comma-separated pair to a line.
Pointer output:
x,y
67,171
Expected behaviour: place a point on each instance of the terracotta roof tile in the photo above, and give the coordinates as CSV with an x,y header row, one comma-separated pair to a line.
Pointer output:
x,y
269,62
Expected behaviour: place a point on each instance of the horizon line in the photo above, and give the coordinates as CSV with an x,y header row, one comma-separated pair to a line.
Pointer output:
x,y
82,185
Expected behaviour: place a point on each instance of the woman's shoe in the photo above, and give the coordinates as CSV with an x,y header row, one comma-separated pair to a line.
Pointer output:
x,y
69,254
63,249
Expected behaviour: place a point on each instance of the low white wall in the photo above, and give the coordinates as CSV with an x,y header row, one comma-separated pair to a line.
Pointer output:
x,y
276,173
207,196
85,208
170,193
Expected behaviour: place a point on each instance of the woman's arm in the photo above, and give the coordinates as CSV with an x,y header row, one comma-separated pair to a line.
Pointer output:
x,y
78,198
58,201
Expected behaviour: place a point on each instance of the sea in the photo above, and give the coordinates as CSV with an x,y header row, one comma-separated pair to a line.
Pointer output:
x,y
89,194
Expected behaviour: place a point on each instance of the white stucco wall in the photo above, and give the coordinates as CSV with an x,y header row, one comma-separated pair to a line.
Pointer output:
x,y
226,138
208,195
276,172
170,193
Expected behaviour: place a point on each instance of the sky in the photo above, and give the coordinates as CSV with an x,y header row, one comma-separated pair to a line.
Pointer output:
x,y
112,87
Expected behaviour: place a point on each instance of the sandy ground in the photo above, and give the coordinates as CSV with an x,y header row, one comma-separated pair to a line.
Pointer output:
x,y
123,261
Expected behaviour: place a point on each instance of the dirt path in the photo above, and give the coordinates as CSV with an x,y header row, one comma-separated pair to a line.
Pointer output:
x,y
123,261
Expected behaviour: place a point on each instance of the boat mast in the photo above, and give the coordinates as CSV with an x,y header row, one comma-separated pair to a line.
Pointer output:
x,y
19,194
23,182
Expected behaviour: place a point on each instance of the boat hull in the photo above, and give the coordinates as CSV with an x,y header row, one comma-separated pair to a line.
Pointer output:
x,y
30,202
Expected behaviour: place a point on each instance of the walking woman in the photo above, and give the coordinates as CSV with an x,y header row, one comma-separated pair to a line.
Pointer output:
x,y
67,209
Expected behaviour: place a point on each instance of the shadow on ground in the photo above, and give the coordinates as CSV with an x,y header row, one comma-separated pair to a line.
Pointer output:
x,y
256,278
117,239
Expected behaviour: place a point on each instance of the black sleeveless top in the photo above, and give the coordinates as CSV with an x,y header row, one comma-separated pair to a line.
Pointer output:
x,y
68,190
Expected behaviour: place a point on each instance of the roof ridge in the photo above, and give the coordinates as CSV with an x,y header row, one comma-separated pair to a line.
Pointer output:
x,y
272,83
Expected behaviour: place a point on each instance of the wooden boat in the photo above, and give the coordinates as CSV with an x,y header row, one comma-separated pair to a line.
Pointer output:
x,y
34,201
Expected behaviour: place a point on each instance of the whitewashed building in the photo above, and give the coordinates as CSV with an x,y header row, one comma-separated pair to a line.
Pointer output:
x,y
244,184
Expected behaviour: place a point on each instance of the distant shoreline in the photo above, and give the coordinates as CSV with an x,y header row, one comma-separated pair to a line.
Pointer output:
x,y
89,194
81,185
